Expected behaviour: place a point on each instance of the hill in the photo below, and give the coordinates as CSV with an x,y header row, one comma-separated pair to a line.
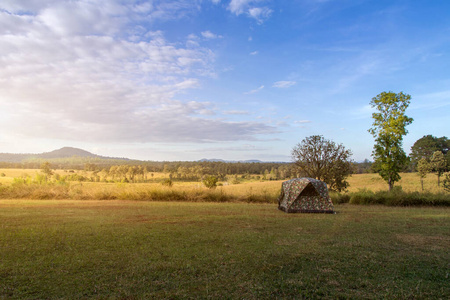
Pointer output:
x,y
65,152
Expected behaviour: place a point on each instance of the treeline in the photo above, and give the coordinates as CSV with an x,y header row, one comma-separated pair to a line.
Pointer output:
x,y
189,171
179,169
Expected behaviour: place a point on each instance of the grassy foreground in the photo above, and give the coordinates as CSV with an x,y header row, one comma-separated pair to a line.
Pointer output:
x,y
137,250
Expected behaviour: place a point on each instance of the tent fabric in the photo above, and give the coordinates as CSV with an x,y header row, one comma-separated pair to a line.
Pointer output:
x,y
307,195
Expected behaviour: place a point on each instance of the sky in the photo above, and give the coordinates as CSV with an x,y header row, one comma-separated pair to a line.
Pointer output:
x,y
236,80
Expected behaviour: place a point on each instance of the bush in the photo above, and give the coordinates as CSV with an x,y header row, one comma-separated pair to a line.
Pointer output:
x,y
396,197
210,182
338,198
446,182
167,182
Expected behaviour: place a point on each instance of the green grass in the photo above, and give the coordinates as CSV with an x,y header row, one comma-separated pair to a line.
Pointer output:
x,y
138,250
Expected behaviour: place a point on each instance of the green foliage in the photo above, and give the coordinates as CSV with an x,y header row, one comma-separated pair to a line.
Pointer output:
x,y
322,159
388,129
427,145
423,168
397,197
446,182
439,164
210,182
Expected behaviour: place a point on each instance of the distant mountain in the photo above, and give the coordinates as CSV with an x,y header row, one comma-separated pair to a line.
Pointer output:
x,y
65,152
230,161
68,152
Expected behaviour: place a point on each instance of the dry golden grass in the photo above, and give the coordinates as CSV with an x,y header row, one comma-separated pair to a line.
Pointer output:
x,y
410,182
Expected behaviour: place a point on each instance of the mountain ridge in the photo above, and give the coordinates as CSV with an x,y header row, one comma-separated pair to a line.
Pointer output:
x,y
65,152
69,152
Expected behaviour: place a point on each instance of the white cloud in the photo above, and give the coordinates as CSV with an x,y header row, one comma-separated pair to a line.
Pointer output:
x,y
284,84
260,14
302,122
254,53
236,112
209,35
255,90
238,6
79,71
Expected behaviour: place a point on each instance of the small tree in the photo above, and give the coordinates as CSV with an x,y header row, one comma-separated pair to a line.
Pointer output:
x,y
446,182
322,159
388,129
46,170
423,168
210,182
439,164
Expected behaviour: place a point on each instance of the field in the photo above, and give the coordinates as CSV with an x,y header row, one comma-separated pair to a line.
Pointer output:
x,y
410,182
124,249
135,249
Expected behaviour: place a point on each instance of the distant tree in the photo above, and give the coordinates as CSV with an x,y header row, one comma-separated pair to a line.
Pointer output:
x,y
427,145
423,168
439,164
167,182
46,170
322,159
446,182
388,129
210,182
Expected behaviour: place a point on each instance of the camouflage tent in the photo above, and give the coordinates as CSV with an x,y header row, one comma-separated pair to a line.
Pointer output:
x,y
306,195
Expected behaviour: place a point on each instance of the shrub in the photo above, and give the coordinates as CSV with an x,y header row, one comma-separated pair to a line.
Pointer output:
x,y
167,182
338,198
210,182
446,182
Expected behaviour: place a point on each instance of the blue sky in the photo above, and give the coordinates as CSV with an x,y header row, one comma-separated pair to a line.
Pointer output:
x,y
239,79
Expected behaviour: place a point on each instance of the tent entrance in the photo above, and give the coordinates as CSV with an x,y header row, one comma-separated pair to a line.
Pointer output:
x,y
309,191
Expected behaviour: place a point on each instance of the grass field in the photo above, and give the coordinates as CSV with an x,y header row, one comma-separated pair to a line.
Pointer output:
x,y
410,182
138,250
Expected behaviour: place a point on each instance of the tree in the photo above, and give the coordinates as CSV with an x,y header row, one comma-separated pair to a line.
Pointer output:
x,y
423,168
439,164
446,182
322,159
388,129
46,170
427,145
210,182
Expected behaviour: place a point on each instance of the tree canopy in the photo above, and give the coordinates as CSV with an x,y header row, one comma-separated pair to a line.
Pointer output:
x,y
322,159
388,129
427,145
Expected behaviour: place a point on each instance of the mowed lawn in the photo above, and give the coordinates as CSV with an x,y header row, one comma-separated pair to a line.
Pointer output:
x,y
140,250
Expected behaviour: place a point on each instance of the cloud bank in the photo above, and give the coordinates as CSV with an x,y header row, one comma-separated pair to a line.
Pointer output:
x,y
90,70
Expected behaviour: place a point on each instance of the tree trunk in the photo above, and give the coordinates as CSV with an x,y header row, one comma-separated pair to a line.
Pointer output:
x,y
390,184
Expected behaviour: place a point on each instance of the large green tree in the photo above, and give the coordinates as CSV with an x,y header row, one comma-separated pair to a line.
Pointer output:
x,y
388,129
427,145
324,160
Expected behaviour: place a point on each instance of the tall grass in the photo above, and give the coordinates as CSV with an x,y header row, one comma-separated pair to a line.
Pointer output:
x,y
143,192
364,189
